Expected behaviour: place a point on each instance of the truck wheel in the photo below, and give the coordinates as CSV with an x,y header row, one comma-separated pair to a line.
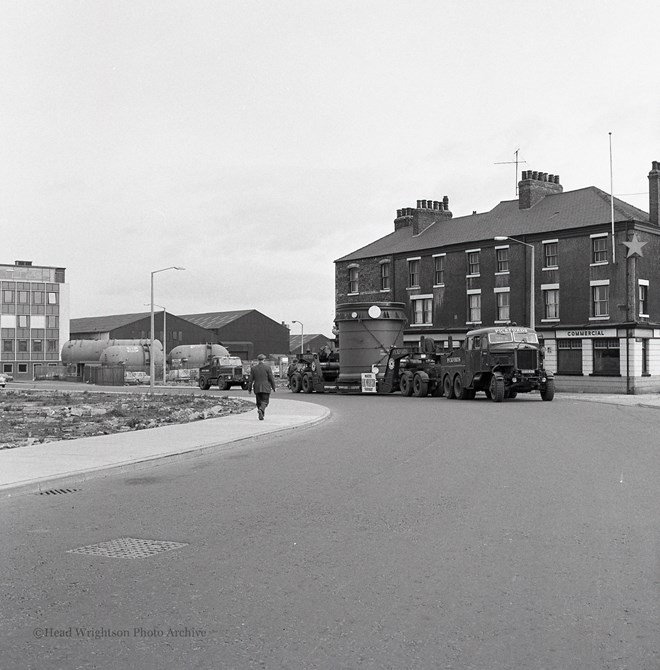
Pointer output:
x,y
420,387
296,382
307,383
448,388
204,384
222,385
406,384
548,393
460,391
496,388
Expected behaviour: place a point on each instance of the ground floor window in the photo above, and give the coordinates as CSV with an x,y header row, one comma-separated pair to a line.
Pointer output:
x,y
569,357
23,368
607,357
645,356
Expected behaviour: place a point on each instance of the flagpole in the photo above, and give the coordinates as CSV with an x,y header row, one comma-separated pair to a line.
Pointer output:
x,y
612,202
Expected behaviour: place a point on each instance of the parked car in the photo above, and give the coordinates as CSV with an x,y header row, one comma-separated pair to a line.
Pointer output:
x,y
131,377
4,379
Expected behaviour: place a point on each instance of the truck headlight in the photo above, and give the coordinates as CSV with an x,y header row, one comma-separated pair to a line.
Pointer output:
x,y
514,379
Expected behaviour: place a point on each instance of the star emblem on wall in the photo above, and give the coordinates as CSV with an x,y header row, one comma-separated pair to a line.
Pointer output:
x,y
634,246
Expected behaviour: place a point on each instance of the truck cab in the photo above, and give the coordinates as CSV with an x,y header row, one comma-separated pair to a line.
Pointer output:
x,y
500,361
225,372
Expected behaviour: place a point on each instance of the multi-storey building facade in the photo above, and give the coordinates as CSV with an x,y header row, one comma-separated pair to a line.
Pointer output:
x,y
34,318
581,266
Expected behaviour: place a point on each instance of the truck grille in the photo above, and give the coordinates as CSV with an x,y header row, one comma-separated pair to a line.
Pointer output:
x,y
527,359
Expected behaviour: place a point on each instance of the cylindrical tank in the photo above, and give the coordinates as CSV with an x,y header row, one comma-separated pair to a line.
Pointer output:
x,y
367,330
132,357
89,351
195,355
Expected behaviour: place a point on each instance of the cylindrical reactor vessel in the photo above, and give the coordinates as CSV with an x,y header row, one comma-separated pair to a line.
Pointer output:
x,y
195,355
367,331
89,351
132,357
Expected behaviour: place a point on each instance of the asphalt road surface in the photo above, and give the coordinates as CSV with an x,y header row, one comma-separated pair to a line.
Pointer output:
x,y
401,533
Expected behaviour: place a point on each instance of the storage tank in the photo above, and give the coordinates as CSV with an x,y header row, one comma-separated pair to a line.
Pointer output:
x,y
195,355
89,351
367,331
132,357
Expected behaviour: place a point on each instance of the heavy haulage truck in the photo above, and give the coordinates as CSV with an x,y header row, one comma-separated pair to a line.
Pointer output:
x,y
500,361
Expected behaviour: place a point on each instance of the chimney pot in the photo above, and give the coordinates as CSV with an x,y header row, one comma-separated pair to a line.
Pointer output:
x,y
654,193
419,204
399,213
535,174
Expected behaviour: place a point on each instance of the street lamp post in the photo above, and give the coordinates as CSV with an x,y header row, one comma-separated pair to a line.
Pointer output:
x,y
532,315
302,336
164,342
152,370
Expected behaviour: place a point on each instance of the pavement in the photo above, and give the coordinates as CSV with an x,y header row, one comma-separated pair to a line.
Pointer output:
x,y
41,467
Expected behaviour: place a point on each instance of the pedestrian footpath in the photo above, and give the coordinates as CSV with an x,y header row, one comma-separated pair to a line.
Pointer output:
x,y
37,467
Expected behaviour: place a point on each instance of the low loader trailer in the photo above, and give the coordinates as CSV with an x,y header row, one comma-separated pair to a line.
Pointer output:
x,y
499,361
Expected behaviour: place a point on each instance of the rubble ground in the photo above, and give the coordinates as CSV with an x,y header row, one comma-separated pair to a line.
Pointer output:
x,y
29,417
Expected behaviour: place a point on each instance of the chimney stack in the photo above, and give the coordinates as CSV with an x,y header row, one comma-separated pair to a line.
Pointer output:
x,y
654,193
424,215
534,186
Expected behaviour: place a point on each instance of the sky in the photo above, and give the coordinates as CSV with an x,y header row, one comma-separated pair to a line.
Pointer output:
x,y
255,142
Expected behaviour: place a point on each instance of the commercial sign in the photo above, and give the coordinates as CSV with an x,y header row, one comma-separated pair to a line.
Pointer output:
x,y
368,382
587,332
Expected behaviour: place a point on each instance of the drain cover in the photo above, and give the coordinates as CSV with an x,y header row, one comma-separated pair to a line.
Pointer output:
x,y
128,547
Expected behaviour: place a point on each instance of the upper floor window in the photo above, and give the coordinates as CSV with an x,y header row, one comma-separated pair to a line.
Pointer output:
x,y
353,280
473,262
474,307
502,305
52,298
422,310
599,249
643,298
551,303
384,276
23,321
439,269
413,272
600,300
550,258
38,297
502,257
23,297
8,297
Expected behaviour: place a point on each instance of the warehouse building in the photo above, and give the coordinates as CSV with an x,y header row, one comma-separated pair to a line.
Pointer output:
x,y
582,267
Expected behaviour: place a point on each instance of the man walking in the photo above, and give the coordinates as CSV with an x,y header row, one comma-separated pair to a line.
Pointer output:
x,y
262,380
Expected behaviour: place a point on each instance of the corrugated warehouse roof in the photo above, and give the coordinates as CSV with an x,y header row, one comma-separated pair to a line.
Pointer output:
x,y
584,207
215,319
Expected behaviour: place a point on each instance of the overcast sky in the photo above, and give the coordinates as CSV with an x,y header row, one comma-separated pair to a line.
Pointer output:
x,y
254,143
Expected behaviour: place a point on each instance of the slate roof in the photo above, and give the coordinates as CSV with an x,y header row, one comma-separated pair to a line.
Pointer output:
x,y
105,324
294,340
215,319
556,212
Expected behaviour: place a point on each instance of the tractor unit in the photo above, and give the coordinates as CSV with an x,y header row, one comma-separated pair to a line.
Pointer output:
x,y
501,362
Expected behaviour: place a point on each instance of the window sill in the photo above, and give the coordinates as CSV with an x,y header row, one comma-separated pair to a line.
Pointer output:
x,y
420,325
413,288
550,320
438,285
592,265
504,272
599,318
356,293
550,267
472,276
473,323
643,316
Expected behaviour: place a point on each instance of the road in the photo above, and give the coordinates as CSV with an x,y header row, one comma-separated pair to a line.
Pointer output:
x,y
401,533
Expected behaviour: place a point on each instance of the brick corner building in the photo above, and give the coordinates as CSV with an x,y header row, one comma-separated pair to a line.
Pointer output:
x,y
583,267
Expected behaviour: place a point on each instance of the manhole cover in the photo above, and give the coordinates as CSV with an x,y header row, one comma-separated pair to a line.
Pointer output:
x,y
128,547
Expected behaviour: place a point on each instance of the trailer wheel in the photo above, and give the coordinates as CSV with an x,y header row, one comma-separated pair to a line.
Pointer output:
x,y
496,388
204,384
406,384
222,385
420,387
307,383
448,388
548,393
296,382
